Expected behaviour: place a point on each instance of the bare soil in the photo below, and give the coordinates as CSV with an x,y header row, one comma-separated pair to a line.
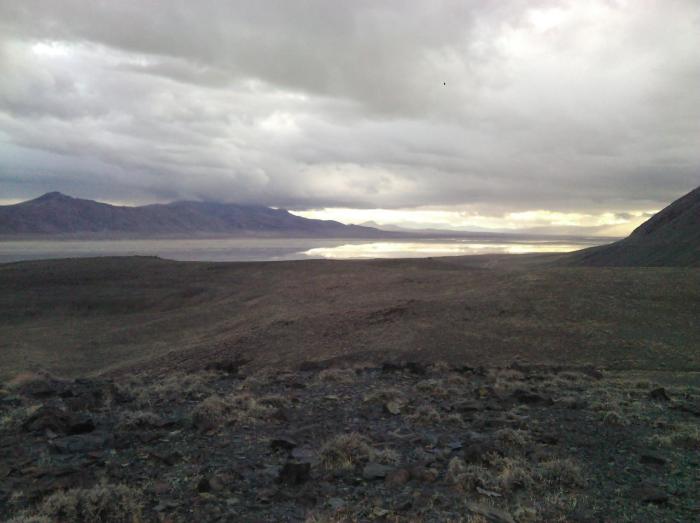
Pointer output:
x,y
83,317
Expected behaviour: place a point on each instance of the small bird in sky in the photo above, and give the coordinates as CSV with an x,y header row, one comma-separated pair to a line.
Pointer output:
x,y
444,83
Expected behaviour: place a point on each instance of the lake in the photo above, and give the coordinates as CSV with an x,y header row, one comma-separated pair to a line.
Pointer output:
x,y
270,249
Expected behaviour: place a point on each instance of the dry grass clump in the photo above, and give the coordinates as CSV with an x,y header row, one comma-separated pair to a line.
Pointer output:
x,y
432,387
337,376
16,416
346,451
275,400
173,387
507,380
440,367
259,379
210,413
382,395
576,377
512,439
216,411
469,477
514,473
24,378
456,380
562,472
454,418
425,415
105,503
686,435
614,418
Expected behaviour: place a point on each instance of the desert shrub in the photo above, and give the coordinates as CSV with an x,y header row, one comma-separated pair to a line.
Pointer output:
x,y
105,503
614,418
686,435
512,439
514,473
455,418
469,477
440,367
171,388
383,395
386,456
425,415
573,376
337,375
216,411
432,387
562,472
456,380
275,400
345,451
210,413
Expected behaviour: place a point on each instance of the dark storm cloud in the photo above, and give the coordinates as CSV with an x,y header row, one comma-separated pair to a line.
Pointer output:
x,y
490,106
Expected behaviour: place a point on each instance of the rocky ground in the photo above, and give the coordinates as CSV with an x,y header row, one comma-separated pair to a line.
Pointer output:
x,y
391,442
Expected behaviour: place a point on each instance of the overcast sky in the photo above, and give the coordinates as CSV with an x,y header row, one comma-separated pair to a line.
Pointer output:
x,y
580,115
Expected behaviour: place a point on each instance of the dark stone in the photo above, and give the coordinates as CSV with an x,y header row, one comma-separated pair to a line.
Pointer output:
x,y
416,368
42,388
690,408
388,368
659,394
468,406
376,471
81,425
283,444
294,473
649,494
48,417
166,458
592,372
231,366
548,439
652,459
530,398
82,443
313,366
203,485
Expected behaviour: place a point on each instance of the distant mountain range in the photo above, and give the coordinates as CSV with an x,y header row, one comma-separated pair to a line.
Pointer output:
x,y
57,214
669,238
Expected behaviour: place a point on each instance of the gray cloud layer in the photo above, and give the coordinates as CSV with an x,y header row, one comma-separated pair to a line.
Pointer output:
x,y
559,105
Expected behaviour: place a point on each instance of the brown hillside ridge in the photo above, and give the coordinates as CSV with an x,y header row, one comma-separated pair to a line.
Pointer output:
x,y
669,238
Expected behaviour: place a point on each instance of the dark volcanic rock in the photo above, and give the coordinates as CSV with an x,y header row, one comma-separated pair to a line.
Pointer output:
x,y
293,473
659,394
529,398
283,444
81,443
375,471
652,459
649,494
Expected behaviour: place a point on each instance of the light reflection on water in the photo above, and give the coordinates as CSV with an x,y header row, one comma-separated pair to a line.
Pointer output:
x,y
429,249
270,249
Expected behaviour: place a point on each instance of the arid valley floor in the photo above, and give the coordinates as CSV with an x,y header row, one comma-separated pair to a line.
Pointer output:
x,y
450,389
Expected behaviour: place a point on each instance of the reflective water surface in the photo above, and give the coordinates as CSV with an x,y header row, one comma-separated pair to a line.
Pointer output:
x,y
269,249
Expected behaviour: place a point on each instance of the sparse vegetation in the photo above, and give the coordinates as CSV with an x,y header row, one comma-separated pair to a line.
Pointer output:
x,y
337,375
105,503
